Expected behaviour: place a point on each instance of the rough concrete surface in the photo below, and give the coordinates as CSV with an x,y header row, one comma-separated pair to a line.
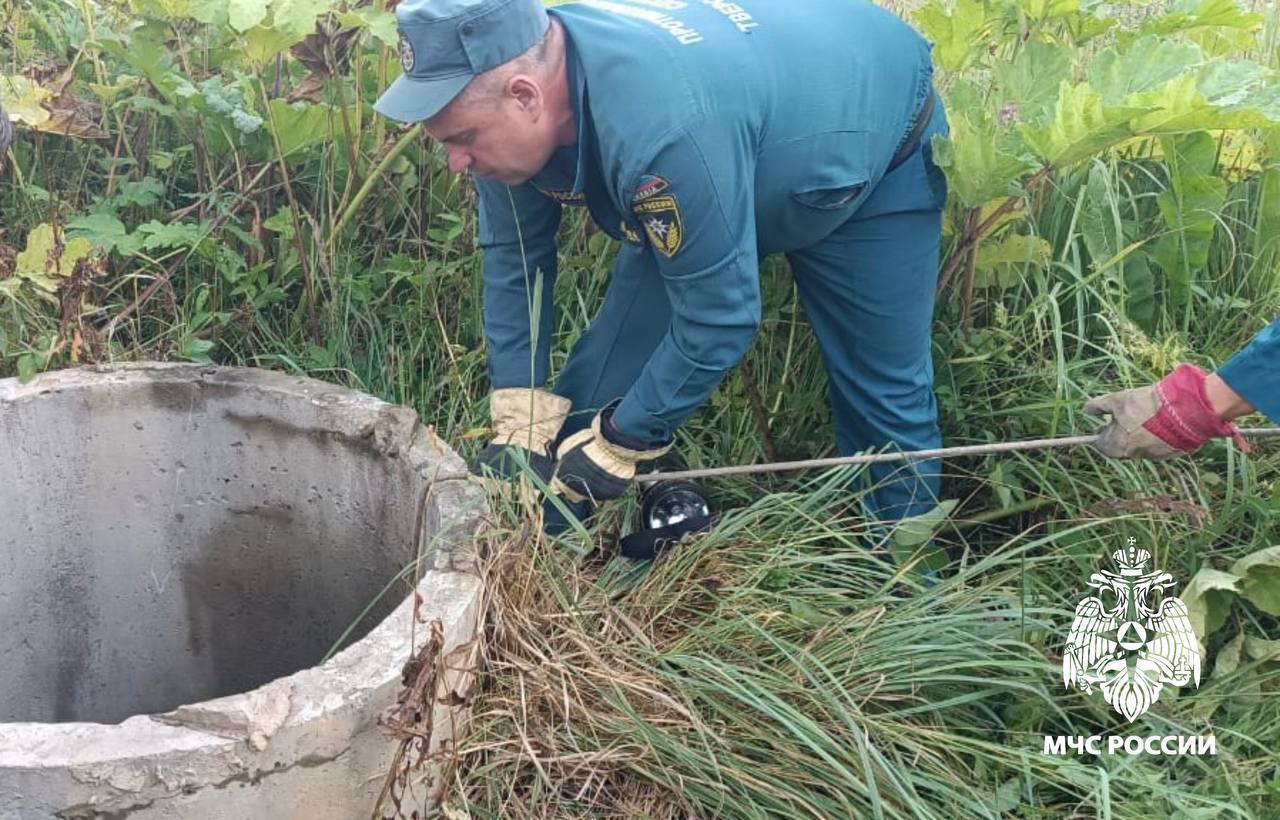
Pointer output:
x,y
180,546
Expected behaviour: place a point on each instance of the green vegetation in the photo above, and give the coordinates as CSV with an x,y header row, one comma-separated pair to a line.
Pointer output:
x,y
205,181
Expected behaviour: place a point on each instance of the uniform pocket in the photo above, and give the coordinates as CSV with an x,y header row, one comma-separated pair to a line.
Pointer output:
x,y
831,170
830,199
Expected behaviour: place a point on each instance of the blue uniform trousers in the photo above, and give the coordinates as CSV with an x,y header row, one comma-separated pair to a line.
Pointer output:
x,y
867,290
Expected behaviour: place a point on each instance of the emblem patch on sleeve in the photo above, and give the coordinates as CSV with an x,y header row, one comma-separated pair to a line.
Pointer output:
x,y
661,219
650,186
659,213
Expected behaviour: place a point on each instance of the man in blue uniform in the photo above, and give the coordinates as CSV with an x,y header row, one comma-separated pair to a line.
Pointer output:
x,y
1180,413
703,135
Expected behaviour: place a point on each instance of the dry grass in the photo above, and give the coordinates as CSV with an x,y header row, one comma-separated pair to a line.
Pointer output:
x,y
767,670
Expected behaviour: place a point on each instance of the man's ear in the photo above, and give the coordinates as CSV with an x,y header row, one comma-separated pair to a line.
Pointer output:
x,y
527,93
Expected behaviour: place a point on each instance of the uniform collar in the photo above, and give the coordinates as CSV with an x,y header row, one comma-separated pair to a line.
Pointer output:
x,y
565,174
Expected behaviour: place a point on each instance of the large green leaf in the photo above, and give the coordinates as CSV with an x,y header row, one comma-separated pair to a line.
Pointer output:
x,y
1208,599
144,193
1266,234
297,18
916,530
43,259
162,9
1227,83
1146,65
146,53
1140,291
1101,224
977,170
245,14
22,98
210,12
1026,87
1167,253
1189,208
954,34
1189,14
1246,93
263,43
1228,660
1041,10
34,259
1089,24
381,24
1014,249
1179,106
1261,649
1081,127
299,125
1001,263
173,235
1260,579
104,231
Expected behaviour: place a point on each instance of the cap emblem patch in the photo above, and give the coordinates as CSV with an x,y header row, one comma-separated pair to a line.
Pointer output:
x,y
406,53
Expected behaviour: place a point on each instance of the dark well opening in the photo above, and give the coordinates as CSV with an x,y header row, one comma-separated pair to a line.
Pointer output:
x,y
166,541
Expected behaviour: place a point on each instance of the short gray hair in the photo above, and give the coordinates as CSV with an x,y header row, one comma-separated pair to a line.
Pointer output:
x,y
489,84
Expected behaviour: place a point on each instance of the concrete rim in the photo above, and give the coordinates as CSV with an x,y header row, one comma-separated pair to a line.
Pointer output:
x,y
352,678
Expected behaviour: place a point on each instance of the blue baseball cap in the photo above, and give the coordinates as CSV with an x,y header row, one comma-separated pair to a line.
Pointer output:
x,y
444,43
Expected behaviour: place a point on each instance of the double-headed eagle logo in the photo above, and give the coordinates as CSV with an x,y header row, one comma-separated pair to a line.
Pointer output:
x,y
1132,648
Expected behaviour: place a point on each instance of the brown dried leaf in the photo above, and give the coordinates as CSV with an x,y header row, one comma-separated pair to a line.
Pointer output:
x,y
311,52
73,118
42,71
59,85
310,89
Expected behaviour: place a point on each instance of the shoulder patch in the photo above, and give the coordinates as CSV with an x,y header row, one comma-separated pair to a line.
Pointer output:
x,y
649,187
660,215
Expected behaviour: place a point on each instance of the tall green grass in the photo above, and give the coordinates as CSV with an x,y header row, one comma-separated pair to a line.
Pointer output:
x,y
786,664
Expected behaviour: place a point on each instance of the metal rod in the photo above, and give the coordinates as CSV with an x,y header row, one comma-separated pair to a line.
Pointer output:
x,y
942,452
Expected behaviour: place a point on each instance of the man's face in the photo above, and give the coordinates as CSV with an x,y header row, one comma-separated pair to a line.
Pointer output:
x,y
503,137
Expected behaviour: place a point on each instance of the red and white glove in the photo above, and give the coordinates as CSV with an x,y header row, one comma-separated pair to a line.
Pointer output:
x,y
1170,418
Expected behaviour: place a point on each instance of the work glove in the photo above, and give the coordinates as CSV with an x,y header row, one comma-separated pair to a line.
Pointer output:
x,y
1170,418
599,463
525,420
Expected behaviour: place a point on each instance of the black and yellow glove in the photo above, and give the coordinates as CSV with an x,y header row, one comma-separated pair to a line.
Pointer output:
x,y
524,419
599,463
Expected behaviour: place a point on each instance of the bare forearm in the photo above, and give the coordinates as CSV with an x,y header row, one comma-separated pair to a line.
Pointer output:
x,y
1229,404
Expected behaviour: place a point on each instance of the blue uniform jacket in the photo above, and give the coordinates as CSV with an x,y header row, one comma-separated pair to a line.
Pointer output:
x,y
710,133
1254,372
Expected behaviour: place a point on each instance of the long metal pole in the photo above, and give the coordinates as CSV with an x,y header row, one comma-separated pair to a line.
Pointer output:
x,y
942,452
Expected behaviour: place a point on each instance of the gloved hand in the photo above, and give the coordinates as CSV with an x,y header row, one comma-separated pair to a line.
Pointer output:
x,y
524,419
1170,418
599,463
